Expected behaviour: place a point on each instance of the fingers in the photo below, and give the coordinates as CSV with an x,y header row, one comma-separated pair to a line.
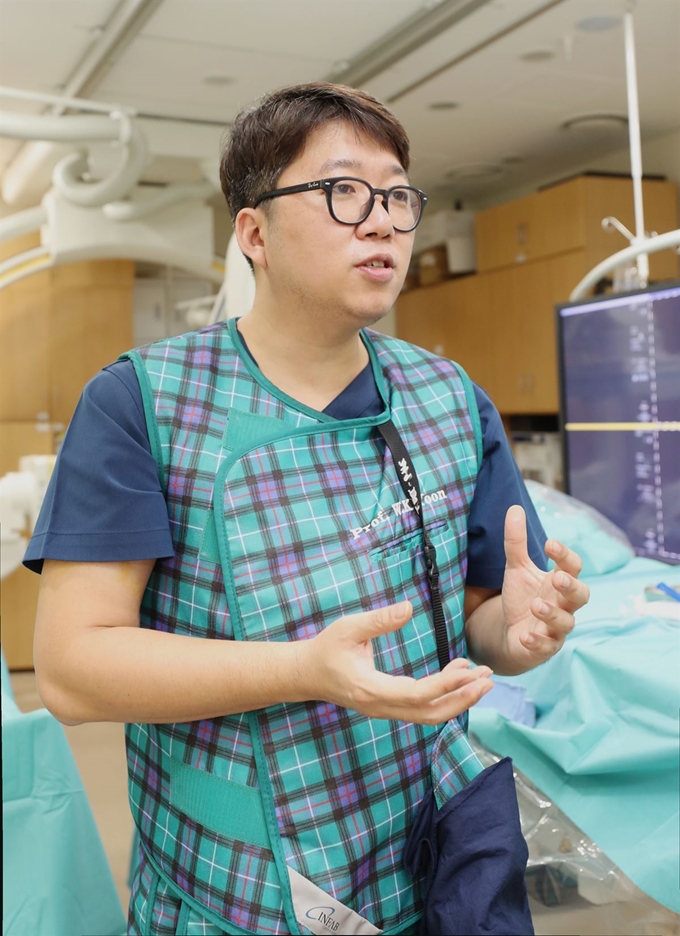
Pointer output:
x,y
430,700
563,557
558,621
515,537
573,593
369,624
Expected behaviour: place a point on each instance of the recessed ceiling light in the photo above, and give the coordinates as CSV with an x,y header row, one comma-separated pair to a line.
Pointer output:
x,y
598,23
596,122
475,171
218,80
444,105
537,55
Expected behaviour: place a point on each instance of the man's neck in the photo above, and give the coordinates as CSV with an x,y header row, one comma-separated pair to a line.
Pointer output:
x,y
311,366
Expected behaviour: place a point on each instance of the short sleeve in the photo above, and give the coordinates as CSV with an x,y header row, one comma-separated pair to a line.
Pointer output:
x,y
104,502
499,486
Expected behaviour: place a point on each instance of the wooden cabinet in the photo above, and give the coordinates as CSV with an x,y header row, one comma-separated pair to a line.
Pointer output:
x,y
24,438
18,605
500,323
90,325
500,326
58,328
24,315
568,217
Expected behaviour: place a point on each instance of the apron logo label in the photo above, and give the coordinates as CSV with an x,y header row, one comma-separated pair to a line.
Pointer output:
x,y
398,508
324,915
403,468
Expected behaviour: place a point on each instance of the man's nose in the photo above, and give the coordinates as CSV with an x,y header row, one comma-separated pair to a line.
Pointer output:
x,y
379,221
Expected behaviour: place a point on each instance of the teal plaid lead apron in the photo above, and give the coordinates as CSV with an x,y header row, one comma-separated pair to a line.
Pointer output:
x,y
293,819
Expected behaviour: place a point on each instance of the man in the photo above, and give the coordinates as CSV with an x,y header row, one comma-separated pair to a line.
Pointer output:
x,y
326,507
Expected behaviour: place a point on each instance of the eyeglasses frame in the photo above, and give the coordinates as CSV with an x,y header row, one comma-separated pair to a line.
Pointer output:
x,y
327,186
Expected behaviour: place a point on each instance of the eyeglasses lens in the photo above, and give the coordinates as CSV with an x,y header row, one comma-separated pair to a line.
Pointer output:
x,y
351,199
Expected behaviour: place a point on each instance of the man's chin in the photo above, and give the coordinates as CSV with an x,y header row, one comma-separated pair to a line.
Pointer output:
x,y
370,314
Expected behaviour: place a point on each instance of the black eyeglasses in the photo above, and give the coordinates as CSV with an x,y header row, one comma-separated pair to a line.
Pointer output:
x,y
350,201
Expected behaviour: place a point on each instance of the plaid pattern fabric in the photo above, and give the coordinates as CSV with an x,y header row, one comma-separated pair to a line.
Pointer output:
x,y
317,520
156,910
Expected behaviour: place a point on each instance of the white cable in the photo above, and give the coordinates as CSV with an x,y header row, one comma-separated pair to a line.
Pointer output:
x,y
650,245
67,173
133,210
118,126
635,145
7,265
25,268
22,222
73,103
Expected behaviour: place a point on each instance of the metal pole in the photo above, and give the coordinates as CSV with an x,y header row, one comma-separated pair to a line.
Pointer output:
x,y
635,145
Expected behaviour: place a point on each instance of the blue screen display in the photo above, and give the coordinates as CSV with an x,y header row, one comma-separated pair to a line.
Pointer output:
x,y
620,382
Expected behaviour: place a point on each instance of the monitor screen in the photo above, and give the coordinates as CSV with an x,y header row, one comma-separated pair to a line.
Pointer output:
x,y
619,359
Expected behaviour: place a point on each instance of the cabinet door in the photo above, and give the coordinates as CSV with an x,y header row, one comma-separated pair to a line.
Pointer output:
x,y
471,333
24,438
500,326
559,220
606,197
502,234
527,367
90,325
18,606
24,317
422,317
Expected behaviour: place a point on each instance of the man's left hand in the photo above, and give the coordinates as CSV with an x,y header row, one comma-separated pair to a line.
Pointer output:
x,y
538,606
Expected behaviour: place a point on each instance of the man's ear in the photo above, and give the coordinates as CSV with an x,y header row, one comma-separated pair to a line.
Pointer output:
x,y
250,228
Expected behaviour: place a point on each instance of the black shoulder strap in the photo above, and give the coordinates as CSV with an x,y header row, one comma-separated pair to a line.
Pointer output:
x,y
409,483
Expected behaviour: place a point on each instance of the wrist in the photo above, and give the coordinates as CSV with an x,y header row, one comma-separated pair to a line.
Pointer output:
x,y
300,670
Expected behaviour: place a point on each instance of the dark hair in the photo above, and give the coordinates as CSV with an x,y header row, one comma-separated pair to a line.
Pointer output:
x,y
268,136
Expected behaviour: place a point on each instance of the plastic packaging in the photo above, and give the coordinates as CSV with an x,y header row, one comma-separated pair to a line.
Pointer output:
x,y
571,880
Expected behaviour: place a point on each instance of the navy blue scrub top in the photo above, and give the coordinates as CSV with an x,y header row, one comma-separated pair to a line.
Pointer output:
x,y
104,501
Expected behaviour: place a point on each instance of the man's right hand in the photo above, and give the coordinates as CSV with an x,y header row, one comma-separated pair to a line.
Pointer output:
x,y
342,663
95,663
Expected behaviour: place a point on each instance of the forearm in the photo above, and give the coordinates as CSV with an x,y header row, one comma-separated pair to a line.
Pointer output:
x,y
130,674
486,634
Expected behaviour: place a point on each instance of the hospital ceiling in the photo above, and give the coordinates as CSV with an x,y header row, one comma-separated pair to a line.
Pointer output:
x,y
482,86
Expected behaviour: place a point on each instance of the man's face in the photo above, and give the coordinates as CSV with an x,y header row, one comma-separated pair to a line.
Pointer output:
x,y
316,262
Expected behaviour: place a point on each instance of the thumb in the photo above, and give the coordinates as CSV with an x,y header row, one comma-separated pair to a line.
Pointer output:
x,y
516,552
369,624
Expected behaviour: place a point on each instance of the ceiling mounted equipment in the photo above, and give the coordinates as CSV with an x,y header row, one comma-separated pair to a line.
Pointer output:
x,y
598,23
596,122
537,55
219,81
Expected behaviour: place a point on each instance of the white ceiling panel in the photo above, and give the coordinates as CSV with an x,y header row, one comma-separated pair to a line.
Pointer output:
x,y
510,107
164,76
507,106
555,91
321,29
453,42
41,41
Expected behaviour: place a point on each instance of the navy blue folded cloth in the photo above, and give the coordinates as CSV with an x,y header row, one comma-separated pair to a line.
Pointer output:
x,y
475,857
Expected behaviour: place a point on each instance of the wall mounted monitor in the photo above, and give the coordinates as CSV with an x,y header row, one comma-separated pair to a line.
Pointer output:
x,y
619,359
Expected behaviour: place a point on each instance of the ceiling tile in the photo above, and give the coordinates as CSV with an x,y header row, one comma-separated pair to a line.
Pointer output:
x,y
299,28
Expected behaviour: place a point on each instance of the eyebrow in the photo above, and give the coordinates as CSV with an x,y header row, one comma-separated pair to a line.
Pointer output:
x,y
351,164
